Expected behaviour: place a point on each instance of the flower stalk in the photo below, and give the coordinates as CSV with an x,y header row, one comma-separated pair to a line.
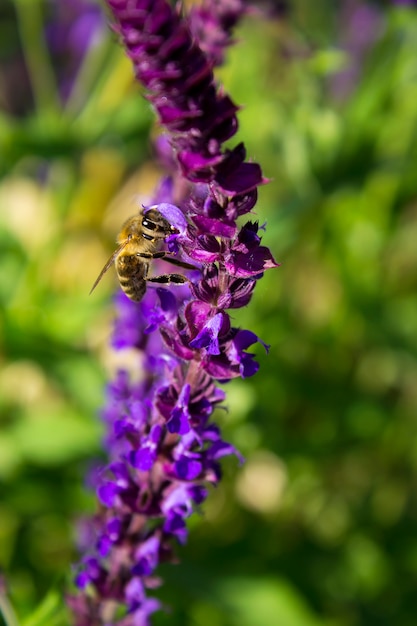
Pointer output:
x,y
164,449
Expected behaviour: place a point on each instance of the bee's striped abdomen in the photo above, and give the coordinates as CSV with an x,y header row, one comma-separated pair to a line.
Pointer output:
x,y
131,272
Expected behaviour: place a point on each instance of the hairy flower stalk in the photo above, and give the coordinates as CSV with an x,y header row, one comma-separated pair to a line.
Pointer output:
x,y
163,448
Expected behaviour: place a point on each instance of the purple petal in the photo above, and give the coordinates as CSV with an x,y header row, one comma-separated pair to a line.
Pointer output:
x,y
82,580
121,473
114,527
246,338
178,423
241,181
134,591
148,555
215,226
176,526
174,216
187,469
179,500
222,448
208,336
167,300
141,615
103,546
143,459
197,314
243,265
107,494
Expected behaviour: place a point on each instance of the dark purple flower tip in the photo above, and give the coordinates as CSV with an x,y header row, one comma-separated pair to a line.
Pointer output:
x,y
243,179
198,493
176,526
248,238
242,204
236,177
187,468
147,557
220,122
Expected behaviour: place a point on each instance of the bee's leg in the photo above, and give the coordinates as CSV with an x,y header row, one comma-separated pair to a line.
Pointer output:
x,y
151,255
167,257
165,279
178,263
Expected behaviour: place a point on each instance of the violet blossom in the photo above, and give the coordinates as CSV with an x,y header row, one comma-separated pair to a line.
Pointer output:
x,y
163,449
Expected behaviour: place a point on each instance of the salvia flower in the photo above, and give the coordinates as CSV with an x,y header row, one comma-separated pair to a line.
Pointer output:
x,y
164,449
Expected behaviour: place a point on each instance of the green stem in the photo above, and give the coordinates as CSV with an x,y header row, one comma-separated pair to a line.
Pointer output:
x,y
7,612
36,55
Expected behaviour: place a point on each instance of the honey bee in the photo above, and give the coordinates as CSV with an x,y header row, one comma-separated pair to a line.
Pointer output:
x,y
138,241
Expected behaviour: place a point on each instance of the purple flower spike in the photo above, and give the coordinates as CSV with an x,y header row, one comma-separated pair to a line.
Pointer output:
x,y
163,449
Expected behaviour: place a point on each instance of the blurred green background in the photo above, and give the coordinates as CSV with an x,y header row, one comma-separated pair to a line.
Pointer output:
x,y
319,527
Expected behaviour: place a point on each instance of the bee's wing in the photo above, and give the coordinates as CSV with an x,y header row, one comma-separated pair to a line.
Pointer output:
x,y
109,264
